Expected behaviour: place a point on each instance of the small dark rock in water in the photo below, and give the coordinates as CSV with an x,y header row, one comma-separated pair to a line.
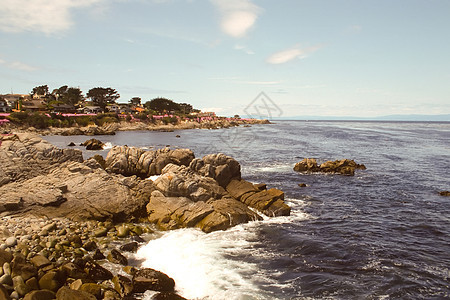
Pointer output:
x,y
149,279
117,258
130,247
302,185
178,136
445,193
98,255
71,144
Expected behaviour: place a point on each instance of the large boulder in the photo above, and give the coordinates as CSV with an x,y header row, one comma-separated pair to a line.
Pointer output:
x,y
270,202
136,161
65,186
25,155
187,199
219,166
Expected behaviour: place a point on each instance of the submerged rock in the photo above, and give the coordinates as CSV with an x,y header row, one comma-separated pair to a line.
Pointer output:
x,y
445,193
343,166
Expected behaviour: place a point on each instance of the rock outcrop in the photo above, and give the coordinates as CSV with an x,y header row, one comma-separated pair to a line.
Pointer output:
x,y
343,166
38,178
185,198
207,193
24,156
136,161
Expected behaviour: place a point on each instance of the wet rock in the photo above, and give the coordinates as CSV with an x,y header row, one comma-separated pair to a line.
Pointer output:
x,y
445,193
90,246
93,144
98,255
130,247
150,279
343,166
71,144
123,285
65,293
307,164
117,258
302,185
97,272
270,202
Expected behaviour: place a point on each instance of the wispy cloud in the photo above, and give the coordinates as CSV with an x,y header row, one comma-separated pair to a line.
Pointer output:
x,y
287,55
46,16
238,16
17,65
244,49
239,80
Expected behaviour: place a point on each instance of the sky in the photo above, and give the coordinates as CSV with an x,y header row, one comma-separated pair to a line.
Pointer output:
x,y
361,58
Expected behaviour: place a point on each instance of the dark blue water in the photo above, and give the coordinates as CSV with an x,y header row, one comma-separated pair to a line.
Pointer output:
x,y
381,234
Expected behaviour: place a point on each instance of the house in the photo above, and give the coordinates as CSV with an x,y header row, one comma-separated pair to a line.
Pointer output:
x,y
113,108
34,105
90,110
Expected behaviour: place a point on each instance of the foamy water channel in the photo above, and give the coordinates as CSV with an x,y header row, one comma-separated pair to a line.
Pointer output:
x,y
218,265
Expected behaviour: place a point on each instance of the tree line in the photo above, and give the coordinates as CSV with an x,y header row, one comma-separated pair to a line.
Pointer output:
x,y
102,97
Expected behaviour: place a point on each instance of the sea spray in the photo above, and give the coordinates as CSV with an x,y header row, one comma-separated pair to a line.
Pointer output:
x,y
218,265
201,264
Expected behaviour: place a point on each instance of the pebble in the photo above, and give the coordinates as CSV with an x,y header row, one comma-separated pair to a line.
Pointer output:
x,y
11,241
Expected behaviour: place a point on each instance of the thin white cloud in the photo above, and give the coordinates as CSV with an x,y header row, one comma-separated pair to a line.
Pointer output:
x,y
46,16
244,49
17,65
287,55
238,16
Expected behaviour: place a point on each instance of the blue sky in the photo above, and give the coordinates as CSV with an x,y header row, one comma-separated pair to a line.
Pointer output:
x,y
316,57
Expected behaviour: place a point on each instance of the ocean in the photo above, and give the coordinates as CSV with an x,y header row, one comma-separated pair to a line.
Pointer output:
x,y
381,234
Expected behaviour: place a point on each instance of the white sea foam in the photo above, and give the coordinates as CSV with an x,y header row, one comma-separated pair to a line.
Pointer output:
x,y
108,145
154,177
198,263
209,266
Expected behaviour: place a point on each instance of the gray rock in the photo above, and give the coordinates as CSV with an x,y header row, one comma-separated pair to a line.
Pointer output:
x,y
11,241
135,161
19,286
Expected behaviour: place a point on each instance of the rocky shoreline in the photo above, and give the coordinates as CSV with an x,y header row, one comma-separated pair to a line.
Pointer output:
x,y
67,220
112,128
